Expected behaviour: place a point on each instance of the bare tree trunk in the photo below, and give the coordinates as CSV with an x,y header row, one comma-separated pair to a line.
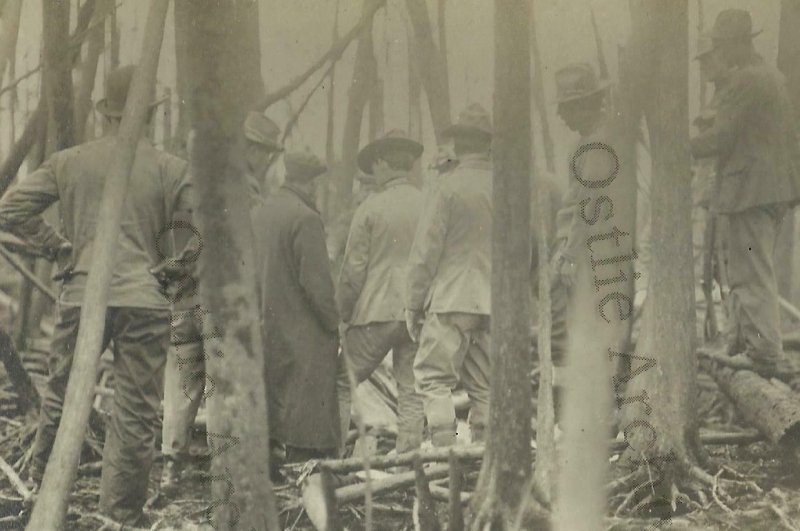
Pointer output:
x,y
88,69
376,114
432,66
414,89
58,71
499,499
227,86
538,96
8,33
441,25
51,505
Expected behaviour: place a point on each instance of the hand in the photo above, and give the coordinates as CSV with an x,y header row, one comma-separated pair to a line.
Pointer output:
x,y
61,255
175,279
566,269
414,320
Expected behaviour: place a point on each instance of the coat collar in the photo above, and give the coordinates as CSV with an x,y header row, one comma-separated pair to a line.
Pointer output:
x,y
304,196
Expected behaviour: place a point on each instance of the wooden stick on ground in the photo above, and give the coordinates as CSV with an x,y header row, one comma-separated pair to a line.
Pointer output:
x,y
17,264
353,464
51,506
456,521
15,480
425,506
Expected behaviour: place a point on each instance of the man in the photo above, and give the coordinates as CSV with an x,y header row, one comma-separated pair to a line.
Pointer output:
x,y
758,183
339,228
370,286
185,373
299,316
137,319
449,283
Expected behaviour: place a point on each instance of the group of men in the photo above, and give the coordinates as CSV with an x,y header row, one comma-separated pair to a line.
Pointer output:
x,y
414,277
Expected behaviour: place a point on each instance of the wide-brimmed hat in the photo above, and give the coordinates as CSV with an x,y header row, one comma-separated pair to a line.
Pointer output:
x,y
733,25
118,83
577,81
261,130
705,45
394,140
474,120
303,166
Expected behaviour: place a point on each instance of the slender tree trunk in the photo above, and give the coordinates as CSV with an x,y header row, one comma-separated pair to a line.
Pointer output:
x,y
507,462
441,25
58,71
51,505
538,96
88,69
183,20
789,64
9,29
414,88
227,86
432,66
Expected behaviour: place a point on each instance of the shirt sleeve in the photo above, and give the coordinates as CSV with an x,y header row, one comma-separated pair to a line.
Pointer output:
x,y
22,206
355,264
315,272
735,105
426,251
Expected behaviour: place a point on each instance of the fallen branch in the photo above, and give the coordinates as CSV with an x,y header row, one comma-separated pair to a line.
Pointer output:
x,y
15,480
425,506
17,264
333,54
394,482
789,308
353,464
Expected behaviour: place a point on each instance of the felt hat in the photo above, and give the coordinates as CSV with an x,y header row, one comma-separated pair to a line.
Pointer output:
x,y
577,81
261,130
303,166
733,25
474,120
118,83
394,140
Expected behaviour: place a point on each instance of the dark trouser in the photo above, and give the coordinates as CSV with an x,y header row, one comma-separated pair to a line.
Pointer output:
x,y
141,338
365,347
754,290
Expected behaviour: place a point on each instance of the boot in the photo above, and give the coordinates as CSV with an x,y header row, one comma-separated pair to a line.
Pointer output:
x,y
443,436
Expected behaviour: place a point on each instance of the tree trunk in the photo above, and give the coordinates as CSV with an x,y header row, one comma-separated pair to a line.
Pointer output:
x,y
364,76
414,89
789,64
539,99
507,461
227,86
88,69
58,72
9,30
432,66
659,400
51,505
441,26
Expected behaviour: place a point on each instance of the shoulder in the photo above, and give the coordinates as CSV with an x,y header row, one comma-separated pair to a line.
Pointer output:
x,y
173,166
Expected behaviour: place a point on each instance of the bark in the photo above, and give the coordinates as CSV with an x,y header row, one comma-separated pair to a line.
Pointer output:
x,y
227,86
539,99
19,151
441,24
88,68
507,461
58,73
50,509
432,66
9,30
414,89
376,114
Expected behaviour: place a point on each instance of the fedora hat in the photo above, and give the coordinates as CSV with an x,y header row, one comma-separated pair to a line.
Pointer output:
x,y
577,81
303,166
474,120
118,83
261,130
394,140
733,25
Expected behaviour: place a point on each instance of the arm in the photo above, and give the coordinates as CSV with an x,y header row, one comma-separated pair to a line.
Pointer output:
x,y
735,105
353,274
22,206
426,251
314,269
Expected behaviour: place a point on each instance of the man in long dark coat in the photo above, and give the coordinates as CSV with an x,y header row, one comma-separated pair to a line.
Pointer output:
x,y
299,316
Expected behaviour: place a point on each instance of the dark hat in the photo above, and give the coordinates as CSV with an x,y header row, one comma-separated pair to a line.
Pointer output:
x,y
705,45
302,166
474,120
118,83
394,140
733,25
261,130
577,81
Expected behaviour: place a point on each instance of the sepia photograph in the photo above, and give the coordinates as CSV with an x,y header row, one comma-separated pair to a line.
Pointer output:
x,y
413,265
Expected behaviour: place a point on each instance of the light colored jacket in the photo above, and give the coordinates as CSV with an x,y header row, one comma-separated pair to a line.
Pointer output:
x,y
451,258
372,279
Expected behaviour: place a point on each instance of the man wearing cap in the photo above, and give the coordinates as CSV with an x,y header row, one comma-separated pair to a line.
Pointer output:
x,y
370,286
137,319
262,143
449,283
758,184
299,316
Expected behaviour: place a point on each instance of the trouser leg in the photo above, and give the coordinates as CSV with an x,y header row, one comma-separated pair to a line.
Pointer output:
x,y
410,415
753,286
559,298
475,376
184,384
141,339
52,400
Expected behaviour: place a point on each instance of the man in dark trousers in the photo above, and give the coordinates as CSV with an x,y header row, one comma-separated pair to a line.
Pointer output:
x,y
137,319
299,316
449,283
371,282
758,184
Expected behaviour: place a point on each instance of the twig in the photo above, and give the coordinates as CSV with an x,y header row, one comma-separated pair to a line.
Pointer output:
x,y
714,488
15,480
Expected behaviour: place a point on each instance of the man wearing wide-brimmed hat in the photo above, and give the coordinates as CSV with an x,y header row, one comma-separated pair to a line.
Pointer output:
x,y
299,318
448,293
261,134
370,287
758,184
137,319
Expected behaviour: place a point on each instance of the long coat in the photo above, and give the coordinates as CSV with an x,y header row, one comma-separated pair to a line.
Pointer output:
x,y
299,320
755,141
450,263
372,280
